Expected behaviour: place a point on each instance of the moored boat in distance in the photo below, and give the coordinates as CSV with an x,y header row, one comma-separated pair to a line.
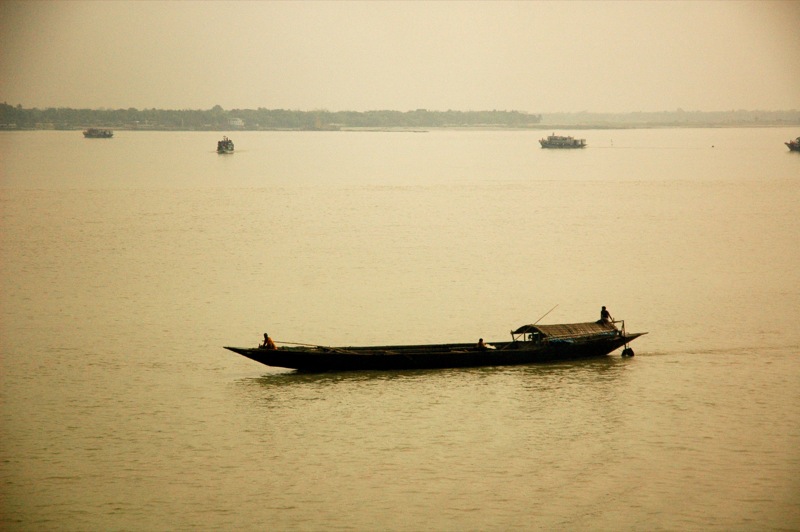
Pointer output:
x,y
529,344
794,145
225,145
562,142
98,133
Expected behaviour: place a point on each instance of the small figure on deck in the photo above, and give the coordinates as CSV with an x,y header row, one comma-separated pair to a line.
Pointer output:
x,y
268,343
483,346
605,316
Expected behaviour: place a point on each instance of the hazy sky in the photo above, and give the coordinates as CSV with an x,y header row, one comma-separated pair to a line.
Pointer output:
x,y
530,56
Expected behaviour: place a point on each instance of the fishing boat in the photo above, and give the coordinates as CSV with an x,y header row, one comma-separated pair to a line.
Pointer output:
x,y
97,133
794,145
562,142
529,344
225,145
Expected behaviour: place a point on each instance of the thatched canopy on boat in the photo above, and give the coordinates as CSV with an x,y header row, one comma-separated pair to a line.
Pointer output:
x,y
568,330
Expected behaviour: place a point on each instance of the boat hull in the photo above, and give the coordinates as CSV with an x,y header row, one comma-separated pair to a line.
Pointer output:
x,y
560,142
562,146
225,145
94,133
322,359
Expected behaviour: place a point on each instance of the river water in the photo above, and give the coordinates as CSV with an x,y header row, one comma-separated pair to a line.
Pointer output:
x,y
128,263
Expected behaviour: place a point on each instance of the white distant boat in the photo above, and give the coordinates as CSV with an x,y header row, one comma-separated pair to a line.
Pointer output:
x,y
558,141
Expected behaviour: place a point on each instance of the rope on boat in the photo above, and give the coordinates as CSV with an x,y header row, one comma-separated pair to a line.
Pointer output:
x,y
335,349
295,343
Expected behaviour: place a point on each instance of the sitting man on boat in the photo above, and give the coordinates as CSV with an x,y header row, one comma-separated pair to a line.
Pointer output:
x,y
605,316
268,343
483,346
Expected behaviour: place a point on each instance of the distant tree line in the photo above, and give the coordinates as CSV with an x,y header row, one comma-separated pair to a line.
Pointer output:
x,y
217,118
677,118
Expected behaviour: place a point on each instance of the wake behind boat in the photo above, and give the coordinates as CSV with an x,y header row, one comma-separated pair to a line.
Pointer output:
x,y
529,344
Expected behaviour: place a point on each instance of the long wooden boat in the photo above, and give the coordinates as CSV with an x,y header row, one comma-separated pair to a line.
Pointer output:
x,y
793,145
529,344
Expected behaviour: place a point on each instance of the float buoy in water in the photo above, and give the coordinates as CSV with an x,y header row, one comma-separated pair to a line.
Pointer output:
x,y
627,352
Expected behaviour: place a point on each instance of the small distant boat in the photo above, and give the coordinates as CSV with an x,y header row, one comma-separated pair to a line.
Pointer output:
x,y
225,145
562,142
97,133
794,145
529,344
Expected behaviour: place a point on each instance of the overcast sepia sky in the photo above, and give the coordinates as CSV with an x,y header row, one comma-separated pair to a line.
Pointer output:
x,y
529,56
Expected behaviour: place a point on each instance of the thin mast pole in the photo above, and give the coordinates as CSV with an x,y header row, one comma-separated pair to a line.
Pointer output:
x,y
545,314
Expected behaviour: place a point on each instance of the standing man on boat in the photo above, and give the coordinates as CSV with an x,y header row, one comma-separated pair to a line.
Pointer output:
x,y
269,344
605,316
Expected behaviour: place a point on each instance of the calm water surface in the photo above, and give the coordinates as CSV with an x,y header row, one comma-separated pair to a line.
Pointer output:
x,y
127,263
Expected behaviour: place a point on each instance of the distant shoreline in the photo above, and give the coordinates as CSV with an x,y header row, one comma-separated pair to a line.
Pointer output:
x,y
261,119
403,129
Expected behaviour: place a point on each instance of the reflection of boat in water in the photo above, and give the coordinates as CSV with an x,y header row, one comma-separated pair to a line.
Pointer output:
x,y
794,145
225,145
558,141
97,133
529,344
